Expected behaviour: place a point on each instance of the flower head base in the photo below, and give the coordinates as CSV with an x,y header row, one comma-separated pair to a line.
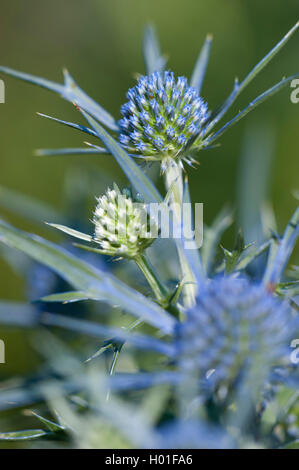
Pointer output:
x,y
161,117
122,227
234,324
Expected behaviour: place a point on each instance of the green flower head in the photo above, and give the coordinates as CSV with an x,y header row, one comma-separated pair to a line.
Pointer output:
x,y
122,225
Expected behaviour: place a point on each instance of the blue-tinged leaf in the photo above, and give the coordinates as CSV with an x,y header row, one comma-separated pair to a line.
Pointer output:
x,y
70,151
154,61
70,92
238,87
219,112
28,207
142,380
262,64
96,330
18,314
277,263
200,68
97,284
25,396
11,398
51,425
81,99
84,129
23,435
253,254
256,102
44,83
65,297
253,179
136,176
72,232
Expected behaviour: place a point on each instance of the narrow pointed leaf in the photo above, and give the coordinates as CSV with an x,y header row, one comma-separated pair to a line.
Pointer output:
x,y
53,427
70,151
72,232
253,181
154,61
96,330
239,87
65,297
127,381
18,314
256,102
23,435
245,260
97,284
136,176
262,64
81,99
17,397
84,129
200,68
70,92
28,394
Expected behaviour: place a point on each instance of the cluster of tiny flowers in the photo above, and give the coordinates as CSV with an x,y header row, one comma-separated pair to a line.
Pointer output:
x,y
235,324
161,116
122,226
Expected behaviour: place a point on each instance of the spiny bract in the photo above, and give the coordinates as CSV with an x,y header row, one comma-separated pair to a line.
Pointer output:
x,y
161,117
122,226
234,324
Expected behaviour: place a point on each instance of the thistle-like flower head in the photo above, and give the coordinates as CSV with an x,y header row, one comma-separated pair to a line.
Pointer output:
x,y
161,116
234,324
122,225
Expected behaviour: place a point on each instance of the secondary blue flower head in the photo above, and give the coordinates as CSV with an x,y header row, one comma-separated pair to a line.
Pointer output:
x,y
161,116
234,324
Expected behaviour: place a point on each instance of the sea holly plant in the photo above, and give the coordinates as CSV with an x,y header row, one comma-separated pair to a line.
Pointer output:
x,y
165,119
219,340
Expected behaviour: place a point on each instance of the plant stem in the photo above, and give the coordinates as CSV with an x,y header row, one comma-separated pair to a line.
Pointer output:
x,y
174,180
158,288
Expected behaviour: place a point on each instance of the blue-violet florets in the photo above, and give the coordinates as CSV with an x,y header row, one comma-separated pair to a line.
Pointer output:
x,y
234,324
161,116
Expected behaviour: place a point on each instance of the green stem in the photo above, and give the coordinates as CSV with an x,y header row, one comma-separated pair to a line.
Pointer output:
x,y
158,288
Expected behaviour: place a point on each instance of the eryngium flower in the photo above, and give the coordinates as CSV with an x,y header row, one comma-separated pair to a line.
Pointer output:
x,y
234,324
161,116
122,226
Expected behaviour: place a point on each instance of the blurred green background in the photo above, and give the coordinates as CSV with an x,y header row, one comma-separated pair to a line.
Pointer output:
x,y
99,41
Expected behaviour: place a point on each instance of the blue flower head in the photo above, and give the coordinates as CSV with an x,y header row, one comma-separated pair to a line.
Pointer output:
x,y
161,116
235,324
